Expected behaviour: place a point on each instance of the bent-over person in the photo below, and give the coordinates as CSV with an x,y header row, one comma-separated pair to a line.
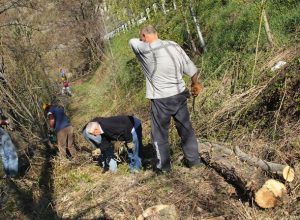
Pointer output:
x,y
101,131
64,131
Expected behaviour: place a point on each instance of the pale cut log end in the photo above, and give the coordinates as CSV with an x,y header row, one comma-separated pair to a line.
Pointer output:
x,y
275,187
288,174
264,198
162,212
270,194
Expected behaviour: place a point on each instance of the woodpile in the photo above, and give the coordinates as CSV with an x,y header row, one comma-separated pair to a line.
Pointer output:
x,y
252,177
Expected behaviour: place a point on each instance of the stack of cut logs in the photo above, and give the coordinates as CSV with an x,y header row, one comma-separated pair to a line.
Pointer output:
x,y
250,175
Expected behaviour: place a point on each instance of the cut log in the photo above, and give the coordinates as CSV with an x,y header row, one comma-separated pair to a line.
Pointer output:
x,y
270,194
249,181
161,212
284,171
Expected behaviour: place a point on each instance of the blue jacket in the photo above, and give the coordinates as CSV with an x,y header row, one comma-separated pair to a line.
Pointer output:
x,y
61,120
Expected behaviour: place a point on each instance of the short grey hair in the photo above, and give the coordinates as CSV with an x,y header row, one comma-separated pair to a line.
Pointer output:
x,y
91,126
149,29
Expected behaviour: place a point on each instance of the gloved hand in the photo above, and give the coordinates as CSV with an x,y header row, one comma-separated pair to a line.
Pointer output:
x,y
96,153
130,145
196,88
52,138
51,131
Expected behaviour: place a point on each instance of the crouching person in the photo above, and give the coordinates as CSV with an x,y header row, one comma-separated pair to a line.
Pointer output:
x,y
60,123
100,132
7,150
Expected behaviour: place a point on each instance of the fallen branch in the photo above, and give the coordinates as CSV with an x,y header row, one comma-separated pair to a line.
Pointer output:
x,y
250,181
284,171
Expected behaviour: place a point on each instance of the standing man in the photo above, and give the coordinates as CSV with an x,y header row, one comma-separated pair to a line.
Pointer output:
x,y
7,150
60,123
164,63
100,132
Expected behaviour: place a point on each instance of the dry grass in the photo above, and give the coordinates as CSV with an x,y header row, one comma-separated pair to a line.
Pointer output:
x,y
123,196
83,192
62,189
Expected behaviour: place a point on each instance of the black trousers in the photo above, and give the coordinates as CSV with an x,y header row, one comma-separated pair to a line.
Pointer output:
x,y
161,112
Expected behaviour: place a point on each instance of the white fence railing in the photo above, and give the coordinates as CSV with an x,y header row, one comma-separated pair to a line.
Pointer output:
x,y
153,10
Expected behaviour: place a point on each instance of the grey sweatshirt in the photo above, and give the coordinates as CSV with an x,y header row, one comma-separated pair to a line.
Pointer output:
x,y
163,63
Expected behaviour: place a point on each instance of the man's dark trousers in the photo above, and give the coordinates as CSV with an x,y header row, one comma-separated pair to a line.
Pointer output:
x,y
161,112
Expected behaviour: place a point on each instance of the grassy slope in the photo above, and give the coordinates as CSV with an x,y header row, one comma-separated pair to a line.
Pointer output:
x,y
118,88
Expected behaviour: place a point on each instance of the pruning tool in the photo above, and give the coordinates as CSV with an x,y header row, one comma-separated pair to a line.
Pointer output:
x,y
193,106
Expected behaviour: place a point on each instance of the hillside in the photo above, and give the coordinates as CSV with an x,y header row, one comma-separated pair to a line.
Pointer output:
x,y
244,103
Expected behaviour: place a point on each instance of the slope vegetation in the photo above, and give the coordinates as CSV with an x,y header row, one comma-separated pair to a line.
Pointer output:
x,y
244,103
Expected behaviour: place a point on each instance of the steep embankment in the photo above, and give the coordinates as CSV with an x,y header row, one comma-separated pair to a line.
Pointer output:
x,y
39,37
82,191
244,103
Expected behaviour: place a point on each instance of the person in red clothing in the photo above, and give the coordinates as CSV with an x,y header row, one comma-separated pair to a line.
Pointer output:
x,y
66,88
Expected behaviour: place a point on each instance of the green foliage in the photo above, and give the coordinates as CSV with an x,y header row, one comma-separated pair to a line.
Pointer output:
x,y
227,28
75,179
170,27
287,4
230,32
127,71
284,20
229,108
227,40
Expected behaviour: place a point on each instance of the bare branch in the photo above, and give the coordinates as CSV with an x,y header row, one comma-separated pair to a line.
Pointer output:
x,y
14,4
18,24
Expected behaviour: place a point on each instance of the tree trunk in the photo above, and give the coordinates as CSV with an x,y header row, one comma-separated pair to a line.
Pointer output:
x,y
284,171
249,181
148,13
202,43
163,5
267,28
174,5
154,8
189,34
